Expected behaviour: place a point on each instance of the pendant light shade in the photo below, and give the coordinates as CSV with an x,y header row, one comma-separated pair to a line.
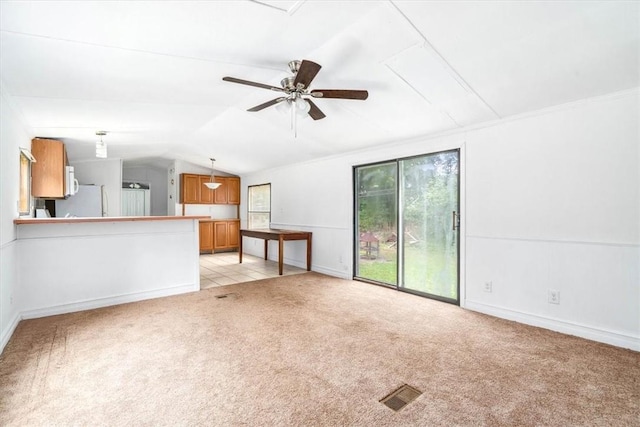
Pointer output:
x,y
211,184
101,146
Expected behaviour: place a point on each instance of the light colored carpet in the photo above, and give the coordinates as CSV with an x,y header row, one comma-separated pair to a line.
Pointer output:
x,y
307,350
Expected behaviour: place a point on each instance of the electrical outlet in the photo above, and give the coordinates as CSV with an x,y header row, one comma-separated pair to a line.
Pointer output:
x,y
554,296
488,286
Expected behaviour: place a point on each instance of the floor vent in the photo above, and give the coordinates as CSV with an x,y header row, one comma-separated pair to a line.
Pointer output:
x,y
401,397
221,296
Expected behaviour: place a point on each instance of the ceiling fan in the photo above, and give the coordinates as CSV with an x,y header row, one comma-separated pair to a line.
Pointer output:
x,y
296,89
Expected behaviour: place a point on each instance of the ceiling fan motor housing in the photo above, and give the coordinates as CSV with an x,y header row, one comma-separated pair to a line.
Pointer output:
x,y
287,82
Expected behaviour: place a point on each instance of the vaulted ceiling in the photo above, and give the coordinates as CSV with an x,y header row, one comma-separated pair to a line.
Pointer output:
x,y
150,73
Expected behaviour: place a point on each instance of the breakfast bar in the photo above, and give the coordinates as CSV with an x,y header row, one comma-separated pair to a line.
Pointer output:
x,y
72,264
281,236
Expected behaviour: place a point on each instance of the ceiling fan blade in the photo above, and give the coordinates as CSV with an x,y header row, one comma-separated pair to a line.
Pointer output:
x,y
249,83
306,73
315,112
340,93
267,104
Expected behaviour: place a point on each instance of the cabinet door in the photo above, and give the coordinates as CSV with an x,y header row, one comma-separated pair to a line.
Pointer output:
x,y
233,191
206,194
206,236
48,172
189,186
220,193
220,238
233,233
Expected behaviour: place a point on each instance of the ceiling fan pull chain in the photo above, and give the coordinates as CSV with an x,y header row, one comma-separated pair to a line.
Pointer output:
x,y
294,114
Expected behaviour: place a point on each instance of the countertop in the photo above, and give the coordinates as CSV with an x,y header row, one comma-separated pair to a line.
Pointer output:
x,y
22,221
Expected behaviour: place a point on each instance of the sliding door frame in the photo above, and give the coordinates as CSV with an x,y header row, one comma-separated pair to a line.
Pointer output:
x,y
399,225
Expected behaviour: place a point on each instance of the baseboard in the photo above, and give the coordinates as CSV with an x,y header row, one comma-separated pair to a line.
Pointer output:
x,y
601,335
7,333
318,268
108,301
332,272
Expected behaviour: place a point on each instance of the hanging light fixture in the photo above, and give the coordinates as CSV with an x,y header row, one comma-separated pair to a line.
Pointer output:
x,y
211,184
101,146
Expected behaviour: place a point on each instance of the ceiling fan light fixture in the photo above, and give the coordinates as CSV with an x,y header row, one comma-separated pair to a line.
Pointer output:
x,y
212,185
302,107
284,106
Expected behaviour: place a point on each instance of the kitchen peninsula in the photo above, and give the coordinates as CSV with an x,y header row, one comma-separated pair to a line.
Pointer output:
x,y
73,264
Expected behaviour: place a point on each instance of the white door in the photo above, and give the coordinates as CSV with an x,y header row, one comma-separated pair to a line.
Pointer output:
x,y
135,202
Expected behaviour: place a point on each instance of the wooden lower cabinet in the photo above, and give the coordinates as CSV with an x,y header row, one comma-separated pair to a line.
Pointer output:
x,y
219,235
206,236
226,234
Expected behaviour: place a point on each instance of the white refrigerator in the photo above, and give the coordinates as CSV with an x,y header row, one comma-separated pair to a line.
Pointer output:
x,y
87,202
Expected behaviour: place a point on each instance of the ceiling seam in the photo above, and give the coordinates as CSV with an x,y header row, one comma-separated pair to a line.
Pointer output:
x,y
422,95
148,52
290,11
426,41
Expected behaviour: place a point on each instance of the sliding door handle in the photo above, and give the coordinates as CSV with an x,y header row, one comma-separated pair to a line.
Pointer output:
x,y
455,221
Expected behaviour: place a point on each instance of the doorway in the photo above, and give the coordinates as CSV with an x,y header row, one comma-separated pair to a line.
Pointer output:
x,y
420,196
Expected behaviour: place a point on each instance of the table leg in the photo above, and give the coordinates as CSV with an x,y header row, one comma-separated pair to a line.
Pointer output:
x,y
280,254
266,246
309,253
240,249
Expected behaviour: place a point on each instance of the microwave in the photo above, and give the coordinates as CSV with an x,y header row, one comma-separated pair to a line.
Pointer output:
x,y
70,182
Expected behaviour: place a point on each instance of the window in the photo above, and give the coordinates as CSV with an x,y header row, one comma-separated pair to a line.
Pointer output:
x,y
24,205
259,206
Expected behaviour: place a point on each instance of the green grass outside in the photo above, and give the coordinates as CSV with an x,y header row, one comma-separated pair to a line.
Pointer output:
x,y
428,269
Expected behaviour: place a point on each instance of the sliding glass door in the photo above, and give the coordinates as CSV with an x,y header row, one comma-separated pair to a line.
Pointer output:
x,y
420,196
377,220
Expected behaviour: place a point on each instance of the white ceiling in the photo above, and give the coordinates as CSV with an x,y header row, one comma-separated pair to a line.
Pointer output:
x,y
150,72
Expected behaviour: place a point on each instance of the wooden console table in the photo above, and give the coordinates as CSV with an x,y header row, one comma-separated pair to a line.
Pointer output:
x,y
279,235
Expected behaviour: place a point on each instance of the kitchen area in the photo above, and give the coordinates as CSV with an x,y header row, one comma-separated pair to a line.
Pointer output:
x,y
89,243
143,188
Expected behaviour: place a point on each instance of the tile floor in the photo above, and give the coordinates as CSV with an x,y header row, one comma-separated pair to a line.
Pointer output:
x,y
224,269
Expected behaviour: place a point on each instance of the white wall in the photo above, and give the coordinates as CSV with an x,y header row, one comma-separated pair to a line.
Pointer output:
x,y
157,180
107,172
13,135
552,204
549,201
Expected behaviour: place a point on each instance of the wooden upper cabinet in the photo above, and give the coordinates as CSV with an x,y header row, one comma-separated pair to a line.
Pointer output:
x,y
220,197
229,192
48,172
189,188
206,194
233,191
193,191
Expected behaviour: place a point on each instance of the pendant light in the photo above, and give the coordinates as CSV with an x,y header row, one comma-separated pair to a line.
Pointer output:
x,y
101,147
211,184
